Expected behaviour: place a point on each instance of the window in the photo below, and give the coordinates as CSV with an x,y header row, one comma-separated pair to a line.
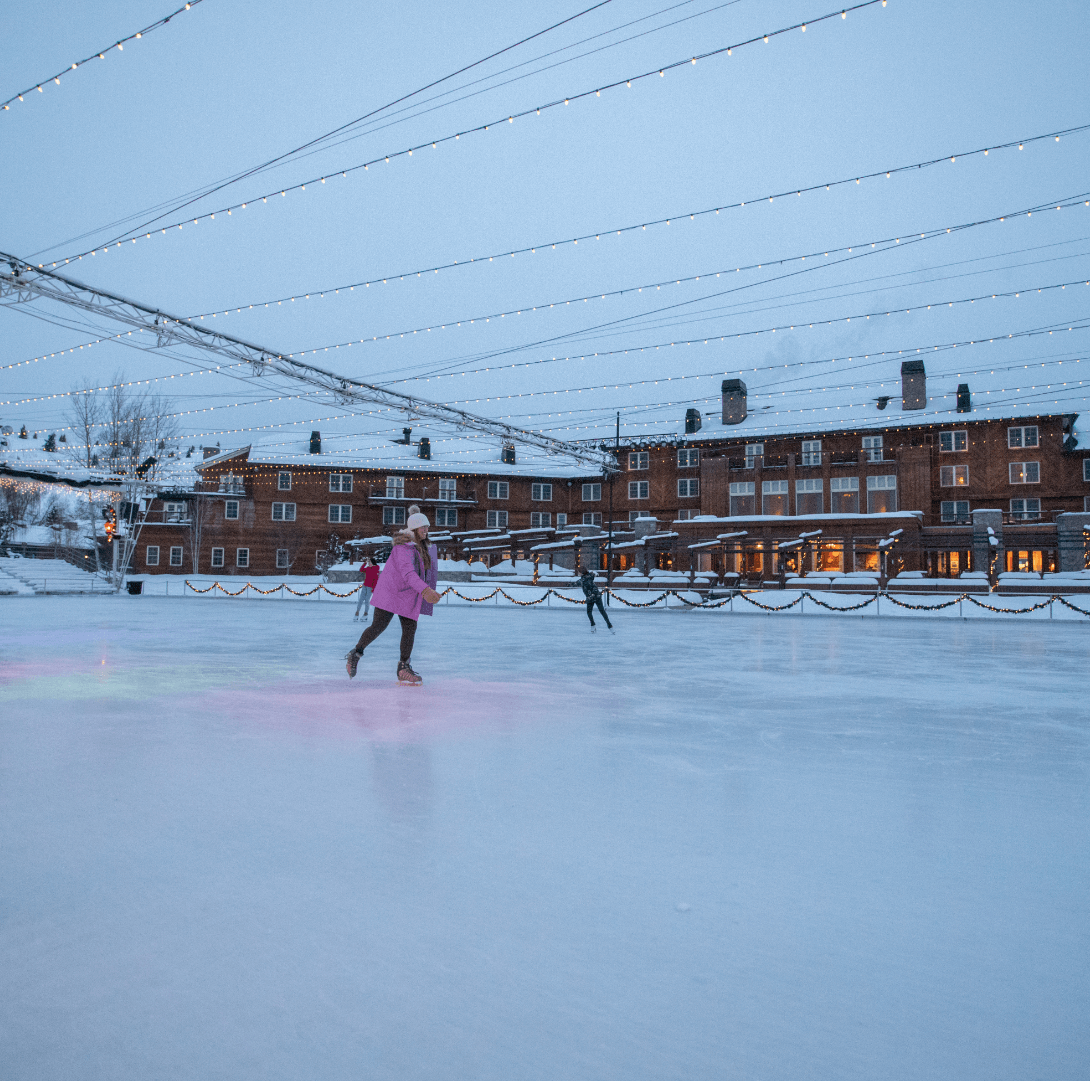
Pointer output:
x,y
282,563
592,518
639,460
955,510
872,444
444,516
953,476
242,557
953,441
1022,437
448,489
1025,509
540,519
231,484
217,557
741,497
176,555
591,492
395,488
173,512
393,515
561,521
637,489
688,489
882,494
688,459
1025,472
685,515
634,514
810,496
230,508
774,497
283,512
340,482
283,484
151,555
753,451
811,452
498,489
542,493
496,519
1086,469
844,495
340,512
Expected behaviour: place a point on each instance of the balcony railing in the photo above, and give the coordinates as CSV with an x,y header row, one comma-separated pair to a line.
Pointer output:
x,y
849,457
399,495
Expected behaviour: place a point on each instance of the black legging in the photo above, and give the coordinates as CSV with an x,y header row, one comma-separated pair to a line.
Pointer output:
x,y
379,622
590,610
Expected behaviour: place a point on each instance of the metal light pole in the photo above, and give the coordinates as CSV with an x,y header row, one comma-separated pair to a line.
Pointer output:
x,y
609,545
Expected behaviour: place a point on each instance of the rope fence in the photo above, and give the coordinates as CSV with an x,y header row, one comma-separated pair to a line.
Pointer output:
x,y
664,598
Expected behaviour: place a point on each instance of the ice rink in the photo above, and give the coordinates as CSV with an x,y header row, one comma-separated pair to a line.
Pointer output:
x,y
754,847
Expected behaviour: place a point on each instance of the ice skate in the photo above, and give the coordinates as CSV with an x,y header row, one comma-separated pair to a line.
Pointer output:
x,y
405,674
352,658
593,629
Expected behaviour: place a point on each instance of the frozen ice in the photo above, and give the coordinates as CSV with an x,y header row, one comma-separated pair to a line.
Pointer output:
x,y
717,845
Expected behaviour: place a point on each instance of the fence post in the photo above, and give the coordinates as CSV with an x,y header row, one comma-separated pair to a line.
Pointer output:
x,y
961,612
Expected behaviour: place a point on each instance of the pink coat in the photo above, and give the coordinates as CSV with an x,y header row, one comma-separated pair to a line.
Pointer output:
x,y
400,586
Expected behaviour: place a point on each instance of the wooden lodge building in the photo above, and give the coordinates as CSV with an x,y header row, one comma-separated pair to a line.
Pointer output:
x,y
931,481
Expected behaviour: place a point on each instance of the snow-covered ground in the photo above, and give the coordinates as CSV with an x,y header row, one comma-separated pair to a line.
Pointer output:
x,y
772,847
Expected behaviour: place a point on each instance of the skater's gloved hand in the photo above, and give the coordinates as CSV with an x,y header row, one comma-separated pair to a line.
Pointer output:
x,y
431,596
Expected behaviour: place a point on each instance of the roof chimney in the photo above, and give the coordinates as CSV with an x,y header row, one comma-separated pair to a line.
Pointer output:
x,y
965,400
913,385
693,420
508,454
424,450
315,442
734,401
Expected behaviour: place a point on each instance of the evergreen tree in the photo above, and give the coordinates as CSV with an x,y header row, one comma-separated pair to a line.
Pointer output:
x,y
22,432
50,443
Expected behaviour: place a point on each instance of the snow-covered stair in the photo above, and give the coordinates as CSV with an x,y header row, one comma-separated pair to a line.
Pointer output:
x,y
9,583
47,576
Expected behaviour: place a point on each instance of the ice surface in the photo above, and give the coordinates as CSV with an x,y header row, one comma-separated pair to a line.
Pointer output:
x,y
708,847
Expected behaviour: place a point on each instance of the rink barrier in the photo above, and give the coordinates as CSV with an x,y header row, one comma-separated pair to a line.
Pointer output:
x,y
666,594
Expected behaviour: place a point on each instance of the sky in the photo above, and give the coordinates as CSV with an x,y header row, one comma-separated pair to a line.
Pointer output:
x,y
121,143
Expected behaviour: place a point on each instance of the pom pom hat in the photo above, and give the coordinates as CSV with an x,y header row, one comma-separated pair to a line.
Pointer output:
x,y
417,521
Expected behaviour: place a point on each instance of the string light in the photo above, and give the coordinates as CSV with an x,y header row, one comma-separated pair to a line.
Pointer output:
x,y
100,55
534,110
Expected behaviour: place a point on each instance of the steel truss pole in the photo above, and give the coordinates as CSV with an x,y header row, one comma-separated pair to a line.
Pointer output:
x,y
25,283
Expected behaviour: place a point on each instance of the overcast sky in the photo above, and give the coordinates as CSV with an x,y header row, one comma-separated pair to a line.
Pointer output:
x,y
230,84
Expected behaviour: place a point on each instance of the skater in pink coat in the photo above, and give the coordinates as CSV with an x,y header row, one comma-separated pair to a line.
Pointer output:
x,y
406,588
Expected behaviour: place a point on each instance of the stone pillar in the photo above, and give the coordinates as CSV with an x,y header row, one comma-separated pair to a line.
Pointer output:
x,y
982,546
1071,540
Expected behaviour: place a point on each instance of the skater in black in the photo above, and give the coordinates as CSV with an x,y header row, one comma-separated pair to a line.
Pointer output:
x,y
594,597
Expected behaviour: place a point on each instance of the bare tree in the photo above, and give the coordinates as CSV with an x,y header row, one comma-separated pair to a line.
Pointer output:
x,y
200,512
85,415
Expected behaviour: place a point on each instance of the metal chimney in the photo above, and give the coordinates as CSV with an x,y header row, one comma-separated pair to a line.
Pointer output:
x,y
965,400
913,385
315,442
693,420
734,401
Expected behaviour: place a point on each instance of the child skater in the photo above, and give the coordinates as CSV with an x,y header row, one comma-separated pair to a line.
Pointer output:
x,y
369,570
594,597
406,588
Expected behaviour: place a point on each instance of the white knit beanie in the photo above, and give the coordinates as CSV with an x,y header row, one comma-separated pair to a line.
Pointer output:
x,y
417,521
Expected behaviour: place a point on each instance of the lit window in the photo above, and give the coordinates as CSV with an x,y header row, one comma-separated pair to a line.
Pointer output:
x,y
340,482
283,512
217,557
176,556
498,489
540,519
774,497
688,489
230,508
872,444
688,459
844,495
592,493
151,557
882,494
637,489
810,496
952,476
1025,509
639,460
496,519
283,484
541,493
1022,437
340,512
445,516
1025,472
811,452
393,515
955,510
953,441
242,557
282,563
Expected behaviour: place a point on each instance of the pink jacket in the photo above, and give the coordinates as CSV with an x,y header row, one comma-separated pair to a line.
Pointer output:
x,y
400,585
